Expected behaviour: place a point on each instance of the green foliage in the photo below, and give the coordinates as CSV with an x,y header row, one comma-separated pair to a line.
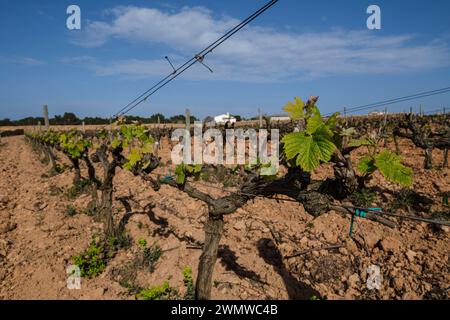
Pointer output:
x,y
363,198
361,142
391,167
142,243
73,144
121,240
138,139
150,256
162,292
71,210
314,145
78,188
92,262
295,109
188,283
182,171
367,165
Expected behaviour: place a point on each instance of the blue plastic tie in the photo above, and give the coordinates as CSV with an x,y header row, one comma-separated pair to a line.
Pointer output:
x,y
361,214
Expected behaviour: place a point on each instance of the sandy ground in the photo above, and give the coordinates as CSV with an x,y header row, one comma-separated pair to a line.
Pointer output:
x,y
37,240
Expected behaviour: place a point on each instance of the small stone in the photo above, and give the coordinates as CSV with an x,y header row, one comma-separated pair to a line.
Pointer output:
x,y
304,241
2,274
398,282
427,287
410,255
4,247
266,230
353,281
100,291
352,293
4,199
343,251
390,244
410,296
239,225
7,227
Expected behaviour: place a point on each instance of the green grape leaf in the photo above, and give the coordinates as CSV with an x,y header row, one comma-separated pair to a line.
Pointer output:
x,y
116,143
314,123
180,174
392,169
348,132
367,166
295,110
133,158
332,121
309,150
360,143
147,147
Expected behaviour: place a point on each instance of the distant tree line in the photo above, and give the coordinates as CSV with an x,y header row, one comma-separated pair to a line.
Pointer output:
x,y
69,118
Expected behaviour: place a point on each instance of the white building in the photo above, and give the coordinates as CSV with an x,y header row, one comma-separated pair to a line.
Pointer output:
x,y
224,118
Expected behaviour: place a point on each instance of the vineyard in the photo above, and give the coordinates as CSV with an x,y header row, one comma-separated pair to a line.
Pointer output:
x,y
351,193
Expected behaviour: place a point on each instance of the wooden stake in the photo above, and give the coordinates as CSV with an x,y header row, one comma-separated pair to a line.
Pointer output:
x,y
47,122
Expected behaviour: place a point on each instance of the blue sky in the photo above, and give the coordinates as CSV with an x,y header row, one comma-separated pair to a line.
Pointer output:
x,y
297,48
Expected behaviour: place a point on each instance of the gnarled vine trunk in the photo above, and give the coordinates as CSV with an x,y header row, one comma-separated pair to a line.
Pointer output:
x,y
213,233
428,158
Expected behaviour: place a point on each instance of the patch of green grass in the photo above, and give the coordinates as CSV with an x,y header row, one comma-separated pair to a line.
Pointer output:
x,y
142,243
363,198
189,284
91,209
445,200
92,262
74,191
162,292
71,210
151,256
120,241
441,215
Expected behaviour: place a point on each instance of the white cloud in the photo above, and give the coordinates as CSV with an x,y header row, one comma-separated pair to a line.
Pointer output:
x,y
27,61
255,53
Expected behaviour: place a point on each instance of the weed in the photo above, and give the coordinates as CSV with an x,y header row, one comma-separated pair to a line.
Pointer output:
x,y
91,209
441,215
445,199
71,210
188,283
410,200
54,190
78,188
142,243
363,198
151,256
122,240
162,292
92,262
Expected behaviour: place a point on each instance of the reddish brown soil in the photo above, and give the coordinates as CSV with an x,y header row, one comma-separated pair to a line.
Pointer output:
x,y
37,240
